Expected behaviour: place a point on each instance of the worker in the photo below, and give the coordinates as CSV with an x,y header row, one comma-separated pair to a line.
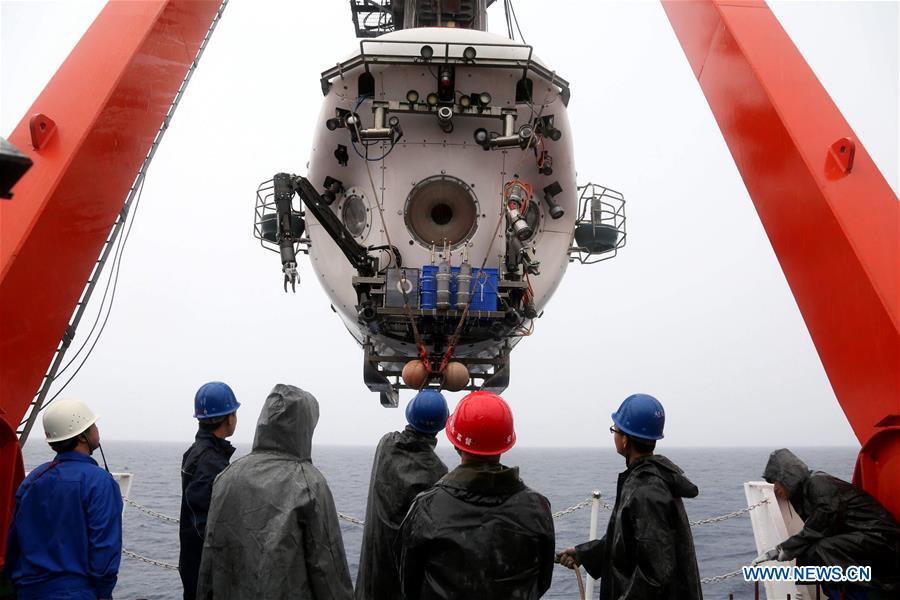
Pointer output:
x,y
215,408
405,465
272,530
65,540
843,526
480,533
648,549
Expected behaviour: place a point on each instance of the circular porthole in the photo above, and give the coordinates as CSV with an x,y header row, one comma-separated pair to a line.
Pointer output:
x,y
355,215
441,210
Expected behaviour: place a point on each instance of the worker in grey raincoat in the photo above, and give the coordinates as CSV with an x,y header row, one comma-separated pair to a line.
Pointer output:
x,y
405,464
648,550
843,525
272,530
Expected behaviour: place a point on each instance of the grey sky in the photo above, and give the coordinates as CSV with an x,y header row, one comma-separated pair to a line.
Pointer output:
x,y
694,310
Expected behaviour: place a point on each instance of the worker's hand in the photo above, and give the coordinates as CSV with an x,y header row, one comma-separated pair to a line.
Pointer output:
x,y
765,557
568,558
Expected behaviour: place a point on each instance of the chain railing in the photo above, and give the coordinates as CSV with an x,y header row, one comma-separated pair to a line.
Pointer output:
x,y
571,509
350,519
150,512
562,513
345,517
559,514
149,561
720,578
730,515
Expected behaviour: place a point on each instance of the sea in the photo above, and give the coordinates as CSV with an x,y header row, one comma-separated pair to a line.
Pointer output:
x,y
564,475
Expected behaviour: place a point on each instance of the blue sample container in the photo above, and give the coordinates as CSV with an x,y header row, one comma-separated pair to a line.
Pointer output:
x,y
428,288
483,288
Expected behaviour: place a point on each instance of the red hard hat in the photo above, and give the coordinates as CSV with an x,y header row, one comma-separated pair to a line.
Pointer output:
x,y
482,424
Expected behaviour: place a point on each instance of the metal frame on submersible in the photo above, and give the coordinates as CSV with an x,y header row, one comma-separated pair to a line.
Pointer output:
x,y
829,213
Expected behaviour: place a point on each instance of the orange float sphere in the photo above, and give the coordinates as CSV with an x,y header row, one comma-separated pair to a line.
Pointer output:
x,y
456,376
415,374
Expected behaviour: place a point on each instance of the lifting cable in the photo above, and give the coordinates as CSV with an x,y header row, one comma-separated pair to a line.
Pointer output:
x,y
578,576
580,582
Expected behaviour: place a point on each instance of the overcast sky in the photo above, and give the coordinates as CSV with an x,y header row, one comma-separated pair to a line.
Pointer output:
x,y
694,310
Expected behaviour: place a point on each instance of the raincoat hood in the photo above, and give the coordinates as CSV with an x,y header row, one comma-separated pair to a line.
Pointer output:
x,y
679,485
784,466
413,440
272,530
287,422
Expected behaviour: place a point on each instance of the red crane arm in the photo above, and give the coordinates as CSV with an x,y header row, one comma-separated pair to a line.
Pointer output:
x,y
831,217
88,133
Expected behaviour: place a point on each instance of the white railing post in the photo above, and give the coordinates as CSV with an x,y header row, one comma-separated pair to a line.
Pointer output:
x,y
595,517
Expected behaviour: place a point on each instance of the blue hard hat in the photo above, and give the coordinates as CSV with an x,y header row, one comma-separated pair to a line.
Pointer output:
x,y
427,412
214,399
641,416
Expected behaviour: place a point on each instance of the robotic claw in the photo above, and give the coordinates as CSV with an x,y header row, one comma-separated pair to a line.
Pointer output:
x,y
290,276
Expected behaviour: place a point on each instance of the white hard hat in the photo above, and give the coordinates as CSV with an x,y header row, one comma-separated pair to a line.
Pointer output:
x,y
67,418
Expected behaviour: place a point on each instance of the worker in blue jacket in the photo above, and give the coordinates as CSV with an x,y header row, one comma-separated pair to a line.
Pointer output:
x,y
65,540
215,408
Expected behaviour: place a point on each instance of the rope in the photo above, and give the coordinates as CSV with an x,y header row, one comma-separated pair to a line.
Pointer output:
x,y
577,575
149,561
580,580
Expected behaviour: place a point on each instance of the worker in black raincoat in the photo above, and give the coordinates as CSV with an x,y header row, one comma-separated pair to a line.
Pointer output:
x,y
480,533
843,525
215,408
272,530
648,550
405,464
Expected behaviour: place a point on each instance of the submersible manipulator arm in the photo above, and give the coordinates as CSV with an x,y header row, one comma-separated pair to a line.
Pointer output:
x,y
285,187
830,215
